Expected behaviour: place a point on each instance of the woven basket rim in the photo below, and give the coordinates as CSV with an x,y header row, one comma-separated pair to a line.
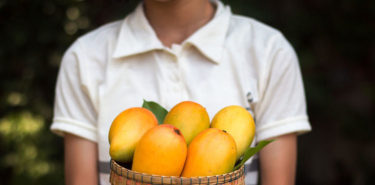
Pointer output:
x,y
122,171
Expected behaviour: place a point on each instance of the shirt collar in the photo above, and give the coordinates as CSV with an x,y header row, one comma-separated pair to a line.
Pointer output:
x,y
136,35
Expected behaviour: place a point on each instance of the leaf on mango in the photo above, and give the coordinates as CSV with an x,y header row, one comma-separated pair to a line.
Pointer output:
x,y
251,151
159,111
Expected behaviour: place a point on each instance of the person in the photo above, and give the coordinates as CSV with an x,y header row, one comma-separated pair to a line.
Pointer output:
x,y
169,51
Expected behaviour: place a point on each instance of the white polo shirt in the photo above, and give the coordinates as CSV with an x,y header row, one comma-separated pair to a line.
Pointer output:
x,y
232,60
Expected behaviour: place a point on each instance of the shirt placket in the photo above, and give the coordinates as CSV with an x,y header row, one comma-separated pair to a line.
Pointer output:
x,y
176,90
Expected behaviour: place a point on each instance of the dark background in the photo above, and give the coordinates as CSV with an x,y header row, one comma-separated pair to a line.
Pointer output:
x,y
334,40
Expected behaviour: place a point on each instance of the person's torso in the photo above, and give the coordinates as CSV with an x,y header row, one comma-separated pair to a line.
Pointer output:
x,y
171,75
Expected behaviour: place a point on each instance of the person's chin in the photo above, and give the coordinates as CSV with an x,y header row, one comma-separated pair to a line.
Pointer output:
x,y
161,1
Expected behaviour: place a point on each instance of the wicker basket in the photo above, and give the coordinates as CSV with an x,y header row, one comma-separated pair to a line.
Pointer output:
x,y
123,176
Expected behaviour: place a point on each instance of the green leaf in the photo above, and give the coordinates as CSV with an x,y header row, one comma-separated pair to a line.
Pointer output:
x,y
251,151
159,111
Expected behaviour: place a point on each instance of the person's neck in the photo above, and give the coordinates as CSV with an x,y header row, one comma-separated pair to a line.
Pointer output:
x,y
174,21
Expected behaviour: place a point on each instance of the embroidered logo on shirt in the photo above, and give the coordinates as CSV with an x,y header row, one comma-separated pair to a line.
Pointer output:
x,y
250,100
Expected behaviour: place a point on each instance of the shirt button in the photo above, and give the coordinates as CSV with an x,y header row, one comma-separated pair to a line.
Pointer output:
x,y
176,89
175,78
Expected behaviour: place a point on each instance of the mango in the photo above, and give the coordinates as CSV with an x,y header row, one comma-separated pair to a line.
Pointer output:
x,y
189,117
126,130
212,152
238,122
161,151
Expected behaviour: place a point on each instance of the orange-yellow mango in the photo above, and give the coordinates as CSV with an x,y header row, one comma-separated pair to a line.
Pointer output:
x,y
238,122
126,130
212,152
190,117
161,151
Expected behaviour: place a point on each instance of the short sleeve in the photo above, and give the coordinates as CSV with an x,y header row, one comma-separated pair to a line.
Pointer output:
x,y
74,112
282,106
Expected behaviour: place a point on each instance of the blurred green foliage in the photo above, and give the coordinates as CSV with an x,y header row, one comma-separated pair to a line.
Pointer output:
x,y
334,41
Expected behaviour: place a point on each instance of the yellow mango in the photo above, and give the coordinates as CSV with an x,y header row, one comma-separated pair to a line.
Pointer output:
x,y
212,152
126,130
238,122
189,117
161,151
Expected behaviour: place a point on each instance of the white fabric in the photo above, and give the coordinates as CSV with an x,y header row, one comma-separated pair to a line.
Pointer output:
x,y
232,60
